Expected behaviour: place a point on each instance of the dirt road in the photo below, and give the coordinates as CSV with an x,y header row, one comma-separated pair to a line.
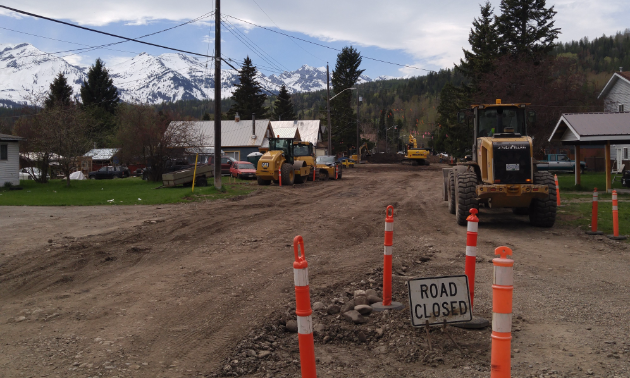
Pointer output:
x,y
204,289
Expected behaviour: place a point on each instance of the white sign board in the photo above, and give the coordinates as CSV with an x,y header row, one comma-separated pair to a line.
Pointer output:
x,y
439,299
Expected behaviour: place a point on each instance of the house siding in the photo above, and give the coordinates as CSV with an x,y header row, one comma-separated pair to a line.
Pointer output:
x,y
619,94
9,169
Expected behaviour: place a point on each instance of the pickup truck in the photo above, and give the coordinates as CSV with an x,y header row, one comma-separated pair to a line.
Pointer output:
x,y
559,162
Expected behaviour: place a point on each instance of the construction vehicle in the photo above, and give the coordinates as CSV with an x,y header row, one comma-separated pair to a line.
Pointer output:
x,y
328,168
304,151
415,155
501,173
363,147
281,158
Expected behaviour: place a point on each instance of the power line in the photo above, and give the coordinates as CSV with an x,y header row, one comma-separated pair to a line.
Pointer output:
x,y
324,46
257,50
105,33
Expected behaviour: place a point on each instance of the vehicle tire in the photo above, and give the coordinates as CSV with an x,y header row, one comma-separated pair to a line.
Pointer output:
x,y
340,174
451,193
426,162
323,175
145,175
581,170
92,178
201,181
300,179
288,175
520,210
263,182
466,196
542,212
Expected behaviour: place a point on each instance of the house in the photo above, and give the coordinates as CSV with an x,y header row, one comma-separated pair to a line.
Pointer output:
x,y
239,138
616,96
97,158
310,131
10,159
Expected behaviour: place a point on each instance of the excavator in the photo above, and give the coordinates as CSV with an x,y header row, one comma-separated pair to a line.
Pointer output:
x,y
415,155
364,147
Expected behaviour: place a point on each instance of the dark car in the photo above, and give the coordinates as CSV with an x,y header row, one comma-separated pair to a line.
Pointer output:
x,y
109,172
226,163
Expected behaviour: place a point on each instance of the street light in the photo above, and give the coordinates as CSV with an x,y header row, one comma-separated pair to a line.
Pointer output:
x,y
328,110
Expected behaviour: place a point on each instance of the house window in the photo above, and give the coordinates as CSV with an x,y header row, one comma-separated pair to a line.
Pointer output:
x,y
4,152
233,154
625,154
621,108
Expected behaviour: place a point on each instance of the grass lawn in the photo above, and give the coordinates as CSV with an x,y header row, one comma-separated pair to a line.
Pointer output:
x,y
579,214
128,191
589,180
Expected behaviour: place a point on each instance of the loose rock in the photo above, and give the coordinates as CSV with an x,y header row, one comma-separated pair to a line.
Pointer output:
x,y
374,299
318,306
363,309
354,317
333,309
348,306
291,326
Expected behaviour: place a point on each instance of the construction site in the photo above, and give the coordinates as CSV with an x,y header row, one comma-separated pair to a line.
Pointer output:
x,y
207,288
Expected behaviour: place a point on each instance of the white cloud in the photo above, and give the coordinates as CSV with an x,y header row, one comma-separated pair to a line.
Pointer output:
x,y
75,60
432,33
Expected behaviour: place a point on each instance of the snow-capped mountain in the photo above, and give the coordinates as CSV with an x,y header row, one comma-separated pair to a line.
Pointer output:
x,y
26,73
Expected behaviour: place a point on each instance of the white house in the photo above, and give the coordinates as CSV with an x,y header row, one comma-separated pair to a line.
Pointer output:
x,y
10,159
616,96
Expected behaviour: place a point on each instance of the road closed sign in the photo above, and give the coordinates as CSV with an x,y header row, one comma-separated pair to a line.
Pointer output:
x,y
439,299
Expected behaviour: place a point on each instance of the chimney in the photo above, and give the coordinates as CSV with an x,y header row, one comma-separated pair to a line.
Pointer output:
x,y
237,117
253,126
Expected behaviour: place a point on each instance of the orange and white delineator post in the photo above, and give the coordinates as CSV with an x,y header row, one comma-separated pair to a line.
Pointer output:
x,y
387,264
280,176
303,310
336,172
314,169
471,251
502,288
593,230
555,177
615,211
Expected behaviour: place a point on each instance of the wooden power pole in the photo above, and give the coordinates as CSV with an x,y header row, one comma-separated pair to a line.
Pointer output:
x,y
328,109
217,95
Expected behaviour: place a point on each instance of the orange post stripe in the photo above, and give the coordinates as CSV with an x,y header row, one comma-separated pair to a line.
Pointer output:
x,y
594,215
389,238
500,355
471,239
469,270
387,280
303,301
307,356
502,299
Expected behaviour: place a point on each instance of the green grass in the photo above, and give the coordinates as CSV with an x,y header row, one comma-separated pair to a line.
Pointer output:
x,y
579,214
589,180
129,191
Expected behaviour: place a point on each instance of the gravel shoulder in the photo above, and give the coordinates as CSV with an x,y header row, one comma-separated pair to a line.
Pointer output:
x,y
187,289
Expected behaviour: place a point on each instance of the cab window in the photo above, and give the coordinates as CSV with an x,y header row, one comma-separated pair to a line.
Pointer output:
x,y
495,120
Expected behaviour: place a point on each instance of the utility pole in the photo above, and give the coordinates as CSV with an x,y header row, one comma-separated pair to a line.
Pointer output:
x,y
217,95
328,109
358,105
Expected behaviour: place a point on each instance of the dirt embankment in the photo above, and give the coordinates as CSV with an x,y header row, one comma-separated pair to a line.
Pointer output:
x,y
206,289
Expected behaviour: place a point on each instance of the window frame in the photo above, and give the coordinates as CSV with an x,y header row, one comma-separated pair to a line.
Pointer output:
x,y
4,151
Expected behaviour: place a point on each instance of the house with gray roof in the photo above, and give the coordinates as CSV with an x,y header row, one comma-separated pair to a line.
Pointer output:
x,y
238,138
310,131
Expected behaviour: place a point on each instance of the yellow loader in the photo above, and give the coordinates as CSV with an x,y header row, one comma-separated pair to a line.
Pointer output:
x,y
415,155
501,173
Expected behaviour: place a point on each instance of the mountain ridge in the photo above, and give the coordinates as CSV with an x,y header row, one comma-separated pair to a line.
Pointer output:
x,y
26,73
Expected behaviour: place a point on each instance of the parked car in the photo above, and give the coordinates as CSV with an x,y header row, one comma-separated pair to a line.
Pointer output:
x,y
326,166
559,162
243,170
109,172
31,173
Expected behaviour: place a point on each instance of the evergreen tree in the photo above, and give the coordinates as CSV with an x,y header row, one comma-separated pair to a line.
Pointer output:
x,y
343,119
60,93
484,43
381,124
283,107
206,117
248,96
526,27
453,137
99,89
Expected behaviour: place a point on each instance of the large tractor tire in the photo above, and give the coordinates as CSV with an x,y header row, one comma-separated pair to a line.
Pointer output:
x,y
288,175
542,212
452,204
263,182
466,196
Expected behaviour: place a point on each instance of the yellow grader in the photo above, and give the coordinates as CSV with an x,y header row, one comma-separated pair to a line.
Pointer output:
x,y
281,158
502,173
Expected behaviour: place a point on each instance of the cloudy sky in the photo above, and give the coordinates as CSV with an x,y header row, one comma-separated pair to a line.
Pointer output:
x,y
424,34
